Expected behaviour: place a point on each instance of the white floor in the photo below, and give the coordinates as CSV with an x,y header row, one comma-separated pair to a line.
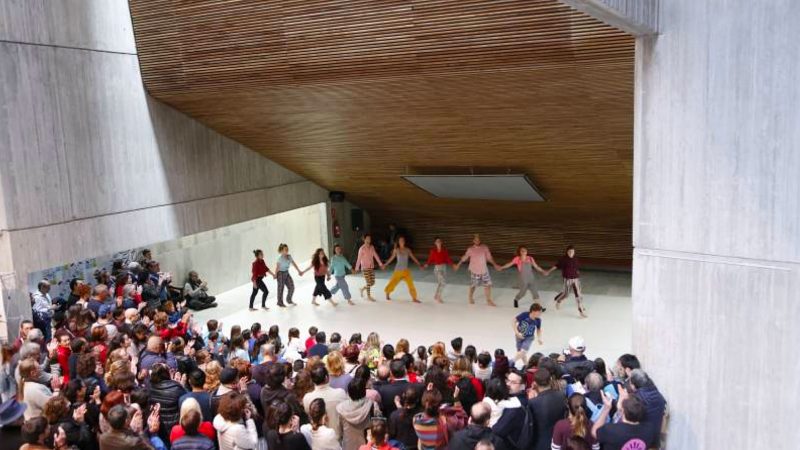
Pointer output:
x,y
607,330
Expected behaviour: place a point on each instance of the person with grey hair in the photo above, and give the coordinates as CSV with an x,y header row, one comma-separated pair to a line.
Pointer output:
x,y
654,404
195,291
477,430
33,351
594,386
43,308
259,372
100,297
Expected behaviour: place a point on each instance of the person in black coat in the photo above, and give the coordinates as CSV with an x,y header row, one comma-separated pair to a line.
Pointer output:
x,y
477,430
548,407
275,390
167,393
396,387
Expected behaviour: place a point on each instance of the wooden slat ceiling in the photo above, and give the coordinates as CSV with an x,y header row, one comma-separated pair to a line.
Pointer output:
x,y
352,94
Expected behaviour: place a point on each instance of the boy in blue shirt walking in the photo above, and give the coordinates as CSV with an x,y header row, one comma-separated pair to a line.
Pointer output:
x,y
528,324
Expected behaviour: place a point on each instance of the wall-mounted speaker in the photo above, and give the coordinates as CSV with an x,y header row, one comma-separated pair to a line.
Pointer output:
x,y
336,196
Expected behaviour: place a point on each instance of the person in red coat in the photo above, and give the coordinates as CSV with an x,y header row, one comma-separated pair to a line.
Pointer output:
x,y
167,331
440,259
258,272
63,352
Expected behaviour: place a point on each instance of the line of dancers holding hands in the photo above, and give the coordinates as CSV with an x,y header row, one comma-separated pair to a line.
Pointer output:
x,y
477,256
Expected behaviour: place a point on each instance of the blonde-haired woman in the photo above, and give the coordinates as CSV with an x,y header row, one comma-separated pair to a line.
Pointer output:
x,y
371,353
334,362
213,369
205,428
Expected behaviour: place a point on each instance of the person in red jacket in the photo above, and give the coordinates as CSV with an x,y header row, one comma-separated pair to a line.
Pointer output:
x,y
62,353
259,271
167,331
440,259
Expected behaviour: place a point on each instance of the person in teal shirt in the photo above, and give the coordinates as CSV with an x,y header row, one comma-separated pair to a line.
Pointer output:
x,y
339,267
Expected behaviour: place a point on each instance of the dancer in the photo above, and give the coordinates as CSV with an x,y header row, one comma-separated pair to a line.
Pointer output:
x,y
319,262
401,272
569,266
259,271
339,268
367,256
525,265
283,276
440,258
526,325
478,255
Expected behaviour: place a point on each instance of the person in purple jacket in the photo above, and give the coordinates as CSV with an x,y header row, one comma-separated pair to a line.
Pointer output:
x,y
569,266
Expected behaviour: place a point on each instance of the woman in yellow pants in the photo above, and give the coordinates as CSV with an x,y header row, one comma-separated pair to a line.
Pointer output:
x,y
401,272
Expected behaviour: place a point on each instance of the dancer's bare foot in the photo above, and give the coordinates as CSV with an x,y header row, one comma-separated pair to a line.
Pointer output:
x,y
387,297
265,308
415,300
350,302
471,301
314,302
439,300
583,315
362,291
371,298
490,302
253,309
558,304
333,302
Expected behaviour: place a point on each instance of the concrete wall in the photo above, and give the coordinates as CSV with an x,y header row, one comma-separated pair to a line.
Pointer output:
x,y
717,220
89,164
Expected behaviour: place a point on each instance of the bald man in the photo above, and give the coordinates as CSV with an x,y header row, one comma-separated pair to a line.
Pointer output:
x,y
478,429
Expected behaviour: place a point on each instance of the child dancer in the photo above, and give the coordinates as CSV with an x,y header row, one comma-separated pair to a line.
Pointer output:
x,y
283,276
367,257
339,268
258,271
569,266
440,258
319,262
525,266
401,272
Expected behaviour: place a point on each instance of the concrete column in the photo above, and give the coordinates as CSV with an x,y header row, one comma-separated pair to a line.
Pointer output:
x,y
717,220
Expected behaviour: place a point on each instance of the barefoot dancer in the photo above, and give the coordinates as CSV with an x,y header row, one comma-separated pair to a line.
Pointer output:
x,y
339,268
478,255
525,266
569,266
319,262
440,258
401,272
282,274
258,272
367,257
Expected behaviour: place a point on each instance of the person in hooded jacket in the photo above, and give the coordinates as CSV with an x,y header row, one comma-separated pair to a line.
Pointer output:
x,y
355,415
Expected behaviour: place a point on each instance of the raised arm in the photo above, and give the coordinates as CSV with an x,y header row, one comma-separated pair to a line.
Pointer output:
x,y
538,269
295,266
601,419
507,265
391,258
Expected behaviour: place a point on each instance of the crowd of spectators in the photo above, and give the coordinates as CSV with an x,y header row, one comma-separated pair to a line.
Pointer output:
x,y
123,364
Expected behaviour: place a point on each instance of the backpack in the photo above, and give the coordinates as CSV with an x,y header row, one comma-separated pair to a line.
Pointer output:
x,y
527,434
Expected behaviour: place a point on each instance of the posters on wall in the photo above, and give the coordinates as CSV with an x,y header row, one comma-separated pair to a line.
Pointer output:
x,y
60,276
